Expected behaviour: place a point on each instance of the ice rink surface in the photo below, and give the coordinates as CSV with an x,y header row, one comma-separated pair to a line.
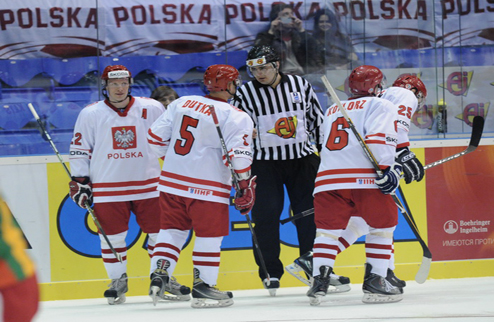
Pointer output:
x,y
459,300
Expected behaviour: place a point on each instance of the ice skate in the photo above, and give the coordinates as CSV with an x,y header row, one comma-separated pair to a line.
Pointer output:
x,y
319,286
395,281
165,287
274,285
116,293
174,291
301,268
377,289
206,296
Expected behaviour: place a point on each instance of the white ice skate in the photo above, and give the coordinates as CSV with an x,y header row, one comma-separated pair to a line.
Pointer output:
x,y
116,293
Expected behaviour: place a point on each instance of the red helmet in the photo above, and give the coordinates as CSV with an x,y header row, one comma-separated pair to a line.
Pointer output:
x,y
410,82
363,80
217,77
115,71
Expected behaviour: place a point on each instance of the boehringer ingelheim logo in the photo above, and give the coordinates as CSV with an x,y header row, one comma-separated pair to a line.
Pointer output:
x,y
450,227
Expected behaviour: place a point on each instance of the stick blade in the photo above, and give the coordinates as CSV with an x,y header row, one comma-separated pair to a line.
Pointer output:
x,y
423,271
477,129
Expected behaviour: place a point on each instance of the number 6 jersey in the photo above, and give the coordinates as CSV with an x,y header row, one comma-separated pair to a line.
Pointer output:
x,y
343,162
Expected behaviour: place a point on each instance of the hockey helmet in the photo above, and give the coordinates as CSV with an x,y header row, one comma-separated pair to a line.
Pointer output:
x,y
411,82
115,72
261,55
364,79
217,77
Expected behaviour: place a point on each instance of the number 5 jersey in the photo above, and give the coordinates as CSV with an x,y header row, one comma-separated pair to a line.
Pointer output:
x,y
194,164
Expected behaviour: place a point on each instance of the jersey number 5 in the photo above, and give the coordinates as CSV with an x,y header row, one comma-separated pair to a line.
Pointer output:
x,y
338,137
183,145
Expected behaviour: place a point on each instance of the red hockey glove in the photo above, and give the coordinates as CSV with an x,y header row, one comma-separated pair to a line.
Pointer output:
x,y
244,199
81,191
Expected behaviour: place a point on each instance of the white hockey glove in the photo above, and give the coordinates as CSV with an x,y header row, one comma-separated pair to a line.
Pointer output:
x,y
412,167
390,180
244,199
81,191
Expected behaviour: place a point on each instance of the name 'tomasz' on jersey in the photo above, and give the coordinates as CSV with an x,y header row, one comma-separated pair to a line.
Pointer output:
x,y
344,164
110,147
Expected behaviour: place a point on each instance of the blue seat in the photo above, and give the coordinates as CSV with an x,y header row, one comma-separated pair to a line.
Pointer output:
x,y
185,89
69,71
140,90
17,72
67,104
136,64
14,110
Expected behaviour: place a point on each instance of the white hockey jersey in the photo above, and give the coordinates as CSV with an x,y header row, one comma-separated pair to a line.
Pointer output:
x,y
343,162
193,157
406,102
110,147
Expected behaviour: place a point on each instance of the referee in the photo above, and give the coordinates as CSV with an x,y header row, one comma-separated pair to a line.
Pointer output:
x,y
287,117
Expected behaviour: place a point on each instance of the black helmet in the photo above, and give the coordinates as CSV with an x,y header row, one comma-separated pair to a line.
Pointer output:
x,y
261,55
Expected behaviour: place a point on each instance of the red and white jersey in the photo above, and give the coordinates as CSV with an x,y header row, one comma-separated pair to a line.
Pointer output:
x,y
193,157
110,147
344,164
407,103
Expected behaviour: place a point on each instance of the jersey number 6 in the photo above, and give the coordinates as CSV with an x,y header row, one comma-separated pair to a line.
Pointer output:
x,y
338,137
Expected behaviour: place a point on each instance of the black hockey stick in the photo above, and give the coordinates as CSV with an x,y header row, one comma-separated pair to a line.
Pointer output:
x,y
477,129
298,216
237,188
424,268
88,207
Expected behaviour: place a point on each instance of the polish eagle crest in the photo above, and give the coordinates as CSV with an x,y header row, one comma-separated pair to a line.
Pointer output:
x,y
124,138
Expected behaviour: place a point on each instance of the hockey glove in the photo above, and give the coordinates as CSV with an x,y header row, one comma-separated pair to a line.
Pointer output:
x,y
390,180
412,167
81,191
244,199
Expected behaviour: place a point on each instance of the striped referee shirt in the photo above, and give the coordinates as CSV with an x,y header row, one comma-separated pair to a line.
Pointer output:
x,y
287,118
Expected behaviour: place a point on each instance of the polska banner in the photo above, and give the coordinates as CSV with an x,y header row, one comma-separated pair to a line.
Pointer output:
x,y
77,28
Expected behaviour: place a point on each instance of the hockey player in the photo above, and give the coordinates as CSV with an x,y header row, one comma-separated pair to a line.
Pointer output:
x,y
195,184
287,116
408,93
112,163
347,185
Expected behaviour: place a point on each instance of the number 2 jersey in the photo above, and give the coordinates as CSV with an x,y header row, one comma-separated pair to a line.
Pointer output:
x,y
187,137
344,164
110,147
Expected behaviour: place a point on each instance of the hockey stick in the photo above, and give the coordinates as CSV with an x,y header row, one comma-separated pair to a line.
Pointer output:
x,y
298,216
88,207
477,129
237,188
424,268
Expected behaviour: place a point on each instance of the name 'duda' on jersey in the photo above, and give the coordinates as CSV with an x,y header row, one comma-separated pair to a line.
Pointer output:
x,y
124,137
285,127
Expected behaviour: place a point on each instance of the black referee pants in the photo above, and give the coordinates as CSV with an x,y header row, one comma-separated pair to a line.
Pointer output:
x,y
298,176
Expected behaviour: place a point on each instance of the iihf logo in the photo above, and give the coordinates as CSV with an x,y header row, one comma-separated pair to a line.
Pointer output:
x,y
450,227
